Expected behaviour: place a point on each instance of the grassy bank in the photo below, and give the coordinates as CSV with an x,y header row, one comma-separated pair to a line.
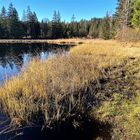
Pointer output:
x,y
79,82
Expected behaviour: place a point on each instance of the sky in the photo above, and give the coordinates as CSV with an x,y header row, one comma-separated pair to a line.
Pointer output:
x,y
82,9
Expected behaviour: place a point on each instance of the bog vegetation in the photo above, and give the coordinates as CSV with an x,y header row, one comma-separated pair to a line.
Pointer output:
x,y
92,79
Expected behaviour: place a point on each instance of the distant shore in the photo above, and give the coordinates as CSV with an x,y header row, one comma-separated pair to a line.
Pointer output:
x,y
70,41
50,41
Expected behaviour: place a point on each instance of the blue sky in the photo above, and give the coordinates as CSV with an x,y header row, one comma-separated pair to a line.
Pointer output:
x,y
80,8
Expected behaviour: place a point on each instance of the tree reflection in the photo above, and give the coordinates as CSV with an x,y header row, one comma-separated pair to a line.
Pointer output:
x,y
14,56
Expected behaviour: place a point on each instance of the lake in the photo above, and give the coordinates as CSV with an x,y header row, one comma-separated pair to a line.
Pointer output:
x,y
13,57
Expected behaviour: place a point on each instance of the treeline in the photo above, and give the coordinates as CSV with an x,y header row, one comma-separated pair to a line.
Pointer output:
x,y
127,15
29,27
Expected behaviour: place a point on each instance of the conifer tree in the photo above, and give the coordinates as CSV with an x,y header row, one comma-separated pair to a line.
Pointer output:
x,y
33,27
3,23
124,13
95,27
56,25
44,28
106,27
14,26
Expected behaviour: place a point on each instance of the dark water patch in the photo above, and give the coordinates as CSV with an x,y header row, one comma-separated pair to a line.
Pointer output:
x,y
70,129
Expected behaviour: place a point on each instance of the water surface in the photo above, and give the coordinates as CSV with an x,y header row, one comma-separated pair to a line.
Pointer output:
x,y
13,57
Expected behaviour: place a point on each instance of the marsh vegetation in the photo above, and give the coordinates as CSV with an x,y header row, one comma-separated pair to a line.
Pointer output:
x,y
87,82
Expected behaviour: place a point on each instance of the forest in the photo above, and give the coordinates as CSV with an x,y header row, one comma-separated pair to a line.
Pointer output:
x,y
127,15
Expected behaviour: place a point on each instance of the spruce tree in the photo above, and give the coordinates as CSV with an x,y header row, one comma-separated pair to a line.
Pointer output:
x,y
33,27
3,22
14,26
57,30
74,27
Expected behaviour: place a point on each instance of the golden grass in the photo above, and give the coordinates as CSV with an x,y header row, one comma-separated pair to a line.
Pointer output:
x,y
53,89
45,85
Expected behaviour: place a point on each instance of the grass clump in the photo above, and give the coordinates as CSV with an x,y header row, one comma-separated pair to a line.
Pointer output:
x,y
50,90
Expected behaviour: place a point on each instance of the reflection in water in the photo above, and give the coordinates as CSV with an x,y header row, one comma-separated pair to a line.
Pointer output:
x,y
14,56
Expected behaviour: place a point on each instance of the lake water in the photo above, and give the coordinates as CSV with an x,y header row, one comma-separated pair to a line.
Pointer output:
x,y
15,56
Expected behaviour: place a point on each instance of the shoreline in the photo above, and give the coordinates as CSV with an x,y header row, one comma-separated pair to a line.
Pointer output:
x,y
49,41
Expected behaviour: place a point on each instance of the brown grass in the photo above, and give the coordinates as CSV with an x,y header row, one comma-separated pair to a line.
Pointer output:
x,y
128,35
